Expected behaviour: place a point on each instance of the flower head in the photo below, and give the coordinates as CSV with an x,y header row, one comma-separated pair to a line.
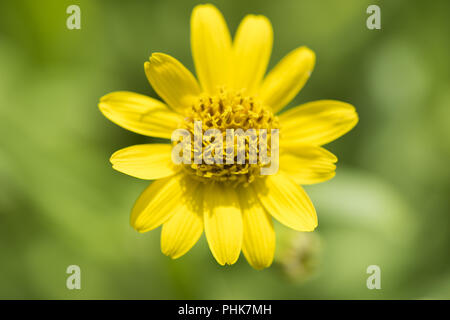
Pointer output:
x,y
231,201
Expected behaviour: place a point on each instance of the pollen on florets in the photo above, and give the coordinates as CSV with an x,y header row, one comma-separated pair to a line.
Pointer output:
x,y
229,110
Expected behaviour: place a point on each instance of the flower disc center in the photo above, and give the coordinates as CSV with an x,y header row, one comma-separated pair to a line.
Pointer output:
x,y
224,111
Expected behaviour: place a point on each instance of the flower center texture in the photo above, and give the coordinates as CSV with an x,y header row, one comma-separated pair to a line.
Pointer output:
x,y
244,127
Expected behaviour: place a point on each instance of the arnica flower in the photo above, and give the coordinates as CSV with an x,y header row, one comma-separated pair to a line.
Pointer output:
x,y
233,203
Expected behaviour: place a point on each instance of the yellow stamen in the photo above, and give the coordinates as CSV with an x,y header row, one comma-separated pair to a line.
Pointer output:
x,y
229,110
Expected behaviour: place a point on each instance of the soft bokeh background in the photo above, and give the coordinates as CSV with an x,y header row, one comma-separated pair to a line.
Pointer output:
x,y
62,204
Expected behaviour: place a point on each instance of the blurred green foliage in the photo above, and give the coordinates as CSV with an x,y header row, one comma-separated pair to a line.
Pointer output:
x,y
61,203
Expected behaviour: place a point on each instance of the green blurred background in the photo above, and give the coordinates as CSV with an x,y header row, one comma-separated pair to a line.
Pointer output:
x,y
61,203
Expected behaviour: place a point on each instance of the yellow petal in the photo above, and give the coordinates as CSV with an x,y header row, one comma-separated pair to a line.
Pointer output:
x,y
185,227
159,201
308,164
145,161
317,122
259,236
140,114
211,47
252,48
286,201
172,81
287,78
223,223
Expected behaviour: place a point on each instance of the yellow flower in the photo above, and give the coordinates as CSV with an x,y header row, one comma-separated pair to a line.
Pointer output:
x,y
234,204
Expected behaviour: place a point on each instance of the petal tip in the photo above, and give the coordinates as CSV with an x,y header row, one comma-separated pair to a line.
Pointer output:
x,y
114,157
157,57
138,228
226,260
204,9
101,105
138,225
260,266
169,252
307,55
106,97
205,6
